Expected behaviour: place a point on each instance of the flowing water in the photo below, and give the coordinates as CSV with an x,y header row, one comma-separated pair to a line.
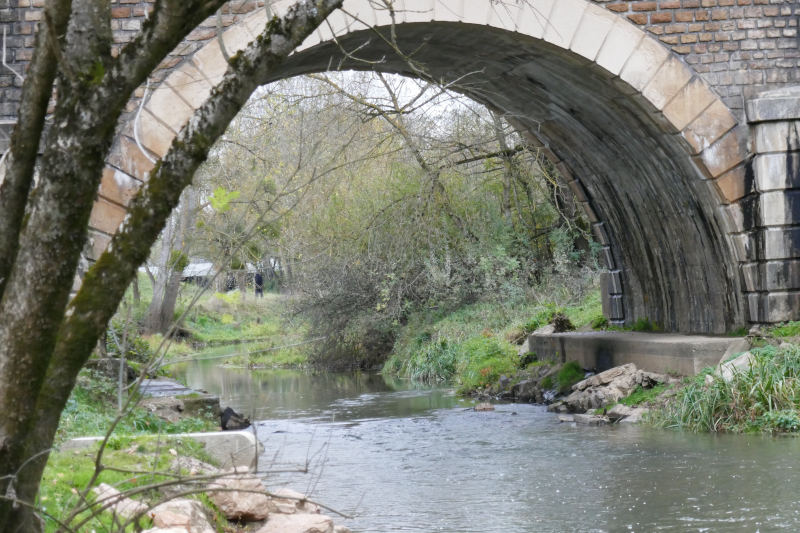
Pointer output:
x,y
399,458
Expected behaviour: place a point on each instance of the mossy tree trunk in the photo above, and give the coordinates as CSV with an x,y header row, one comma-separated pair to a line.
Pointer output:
x,y
44,338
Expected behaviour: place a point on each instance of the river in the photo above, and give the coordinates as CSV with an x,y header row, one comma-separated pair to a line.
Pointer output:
x,y
399,458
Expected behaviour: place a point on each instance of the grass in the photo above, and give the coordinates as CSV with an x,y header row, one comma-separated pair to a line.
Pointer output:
x,y
765,397
569,374
787,329
91,409
470,345
137,462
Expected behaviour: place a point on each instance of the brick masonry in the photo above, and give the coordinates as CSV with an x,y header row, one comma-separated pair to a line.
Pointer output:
x,y
739,47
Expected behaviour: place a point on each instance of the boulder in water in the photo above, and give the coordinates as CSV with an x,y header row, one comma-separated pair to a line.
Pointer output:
x,y
230,420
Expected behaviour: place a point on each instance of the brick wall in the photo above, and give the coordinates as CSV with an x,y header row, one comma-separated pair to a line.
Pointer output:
x,y
740,47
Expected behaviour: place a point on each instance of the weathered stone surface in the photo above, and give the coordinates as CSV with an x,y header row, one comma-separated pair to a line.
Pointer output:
x,y
115,502
625,414
608,387
742,363
589,420
298,523
604,378
242,497
780,104
290,501
188,516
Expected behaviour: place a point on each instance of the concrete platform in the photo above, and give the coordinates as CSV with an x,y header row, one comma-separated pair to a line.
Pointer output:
x,y
230,448
655,352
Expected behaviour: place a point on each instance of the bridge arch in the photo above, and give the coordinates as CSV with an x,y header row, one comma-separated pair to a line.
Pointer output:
x,y
650,151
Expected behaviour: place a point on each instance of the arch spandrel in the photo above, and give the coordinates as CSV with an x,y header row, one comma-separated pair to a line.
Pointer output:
x,y
625,119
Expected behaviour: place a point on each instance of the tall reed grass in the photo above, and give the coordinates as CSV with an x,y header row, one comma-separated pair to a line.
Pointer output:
x,y
764,396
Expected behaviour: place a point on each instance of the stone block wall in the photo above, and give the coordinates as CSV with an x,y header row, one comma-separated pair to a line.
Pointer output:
x,y
772,211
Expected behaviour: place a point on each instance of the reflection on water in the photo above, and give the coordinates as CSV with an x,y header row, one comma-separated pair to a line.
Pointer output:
x,y
418,461
267,394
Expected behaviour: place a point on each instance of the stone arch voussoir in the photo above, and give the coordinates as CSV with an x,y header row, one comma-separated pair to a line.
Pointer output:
x,y
640,66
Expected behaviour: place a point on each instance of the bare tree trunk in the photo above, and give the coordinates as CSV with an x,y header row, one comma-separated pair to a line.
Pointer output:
x,y
43,341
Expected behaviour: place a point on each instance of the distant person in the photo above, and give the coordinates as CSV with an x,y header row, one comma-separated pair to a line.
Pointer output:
x,y
259,285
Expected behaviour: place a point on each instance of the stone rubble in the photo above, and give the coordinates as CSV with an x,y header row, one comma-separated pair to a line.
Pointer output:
x,y
242,498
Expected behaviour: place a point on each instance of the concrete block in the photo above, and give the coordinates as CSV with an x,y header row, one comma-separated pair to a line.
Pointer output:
x,y
781,275
781,104
592,31
577,190
210,61
670,78
713,123
751,277
533,17
236,38
503,16
744,245
607,258
688,103
600,234
780,208
190,84
154,135
448,10
734,184
779,243
777,171
653,352
644,63
563,22
129,158
169,108
782,306
611,282
106,216
98,242
256,22
776,137
621,41
117,186
726,153
230,449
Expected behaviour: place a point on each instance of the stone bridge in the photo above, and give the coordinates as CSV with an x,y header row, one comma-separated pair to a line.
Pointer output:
x,y
676,124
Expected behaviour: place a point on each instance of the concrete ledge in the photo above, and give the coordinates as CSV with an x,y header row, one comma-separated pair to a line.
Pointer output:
x,y
780,104
654,352
230,448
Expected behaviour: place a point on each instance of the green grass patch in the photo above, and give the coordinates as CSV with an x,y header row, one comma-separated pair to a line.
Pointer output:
x,y
569,374
439,345
143,461
91,409
642,396
484,360
787,329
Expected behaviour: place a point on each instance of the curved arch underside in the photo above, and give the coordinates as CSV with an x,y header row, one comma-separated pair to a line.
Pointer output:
x,y
660,216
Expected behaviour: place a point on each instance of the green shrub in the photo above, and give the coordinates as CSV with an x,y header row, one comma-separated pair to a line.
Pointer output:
x,y
546,383
569,375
